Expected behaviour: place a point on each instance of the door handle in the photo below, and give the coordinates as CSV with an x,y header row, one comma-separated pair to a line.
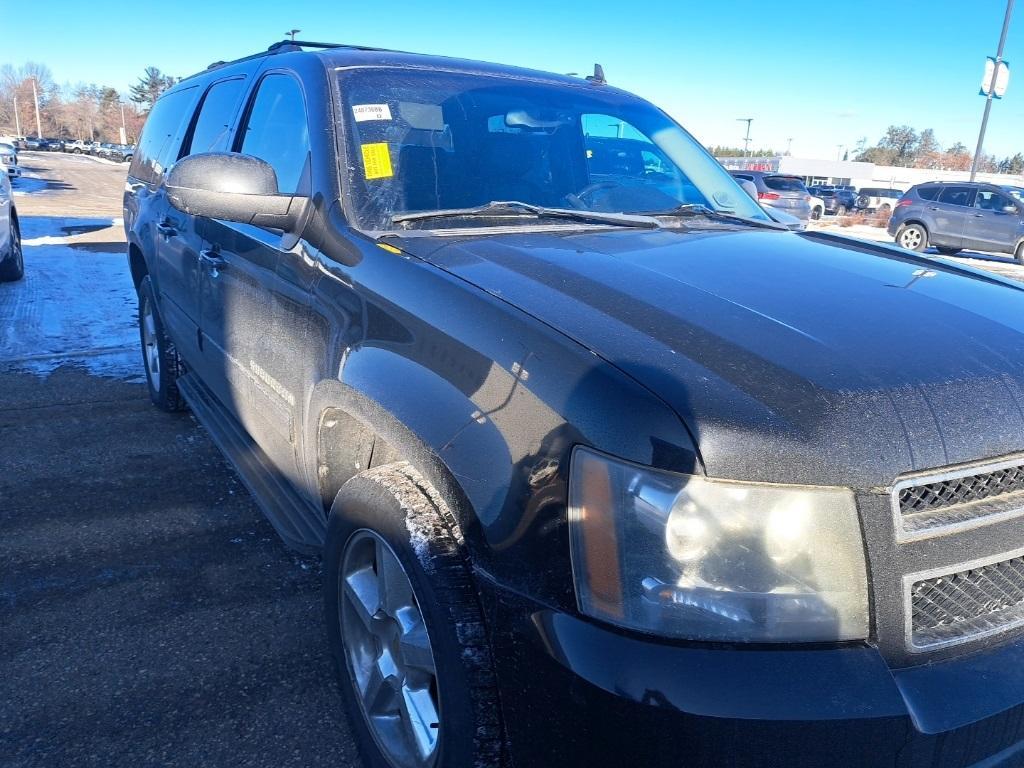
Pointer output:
x,y
212,257
979,215
933,207
167,228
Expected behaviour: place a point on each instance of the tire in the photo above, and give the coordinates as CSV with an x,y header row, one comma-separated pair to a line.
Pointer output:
x,y
947,251
13,267
816,213
841,210
913,237
1019,253
159,357
393,509
76,151
885,208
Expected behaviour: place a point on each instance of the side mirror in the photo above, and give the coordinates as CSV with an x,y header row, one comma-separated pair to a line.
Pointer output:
x,y
233,187
1010,208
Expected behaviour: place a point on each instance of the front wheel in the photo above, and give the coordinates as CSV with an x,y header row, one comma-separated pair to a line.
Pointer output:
x,y
161,360
816,213
841,210
405,627
13,267
913,237
1019,253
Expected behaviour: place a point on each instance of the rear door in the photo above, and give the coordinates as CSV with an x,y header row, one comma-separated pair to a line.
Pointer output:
x,y
950,212
245,303
989,227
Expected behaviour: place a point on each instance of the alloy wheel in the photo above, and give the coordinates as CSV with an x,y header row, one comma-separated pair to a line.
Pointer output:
x,y
150,345
387,649
910,238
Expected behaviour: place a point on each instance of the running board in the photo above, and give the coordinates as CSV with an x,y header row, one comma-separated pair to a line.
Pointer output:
x,y
302,526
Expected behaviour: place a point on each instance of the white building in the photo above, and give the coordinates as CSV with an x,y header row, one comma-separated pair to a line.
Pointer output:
x,y
829,172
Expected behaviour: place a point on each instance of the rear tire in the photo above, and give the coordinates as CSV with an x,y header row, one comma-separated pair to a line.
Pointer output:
x,y
816,213
841,210
159,357
393,507
13,267
1019,254
913,237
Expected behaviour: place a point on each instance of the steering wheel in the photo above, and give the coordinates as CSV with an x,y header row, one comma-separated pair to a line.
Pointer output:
x,y
578,199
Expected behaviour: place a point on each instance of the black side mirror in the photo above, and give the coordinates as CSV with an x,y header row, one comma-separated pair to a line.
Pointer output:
x,y
233,187
1010,208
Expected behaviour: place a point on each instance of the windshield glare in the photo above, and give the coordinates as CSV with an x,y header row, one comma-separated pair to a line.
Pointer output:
x,y
426,141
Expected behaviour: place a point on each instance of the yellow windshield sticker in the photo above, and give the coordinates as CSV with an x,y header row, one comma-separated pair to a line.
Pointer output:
x,y
377,161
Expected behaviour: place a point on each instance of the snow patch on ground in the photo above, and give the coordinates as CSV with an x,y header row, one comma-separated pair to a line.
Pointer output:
x,y
73,306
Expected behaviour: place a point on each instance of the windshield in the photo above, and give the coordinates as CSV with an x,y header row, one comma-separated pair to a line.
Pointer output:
x,y
427,141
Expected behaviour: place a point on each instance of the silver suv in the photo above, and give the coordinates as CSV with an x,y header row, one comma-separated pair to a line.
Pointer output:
x,y
956,215
780,191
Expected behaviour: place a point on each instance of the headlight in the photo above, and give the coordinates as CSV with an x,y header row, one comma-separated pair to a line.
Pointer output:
x,y
687,557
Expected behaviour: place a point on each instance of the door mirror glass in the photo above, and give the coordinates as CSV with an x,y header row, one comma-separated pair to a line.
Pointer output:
x,y
1009,208
232,187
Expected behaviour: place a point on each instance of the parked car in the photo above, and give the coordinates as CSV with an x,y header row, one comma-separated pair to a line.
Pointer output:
x,y
9,159
871,199
80,146
12,262
955,215
846,200
817,207
122,153
31,142
777,190
51,145
829,200
600,475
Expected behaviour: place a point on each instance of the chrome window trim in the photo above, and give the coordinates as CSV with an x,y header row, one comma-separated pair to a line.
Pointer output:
x,y
910,579
964,470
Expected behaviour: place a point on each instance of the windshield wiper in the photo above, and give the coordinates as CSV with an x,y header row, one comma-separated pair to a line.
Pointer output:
x,y
699,209
516,208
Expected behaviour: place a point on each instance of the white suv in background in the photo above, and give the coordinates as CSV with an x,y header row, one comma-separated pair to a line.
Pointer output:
x,y
9,158
873,199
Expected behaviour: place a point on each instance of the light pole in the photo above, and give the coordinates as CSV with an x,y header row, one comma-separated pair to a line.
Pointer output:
x,y
292,33
17,120
35,97
124,130
991,89
746,141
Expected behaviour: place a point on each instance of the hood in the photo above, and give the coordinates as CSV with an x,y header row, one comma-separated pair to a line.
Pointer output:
x,y
797,358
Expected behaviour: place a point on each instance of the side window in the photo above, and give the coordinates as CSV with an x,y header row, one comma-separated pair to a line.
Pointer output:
x,y
928,193
990,200
276,129
956,196
161,134
214,122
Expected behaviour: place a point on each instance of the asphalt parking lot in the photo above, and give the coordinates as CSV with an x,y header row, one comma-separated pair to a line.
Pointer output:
x,y
149,615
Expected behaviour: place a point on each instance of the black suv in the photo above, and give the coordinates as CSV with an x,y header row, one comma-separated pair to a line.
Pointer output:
x,y
605,467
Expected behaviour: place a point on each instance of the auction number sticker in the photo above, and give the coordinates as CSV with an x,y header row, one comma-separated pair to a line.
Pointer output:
x,y
363,112
377,161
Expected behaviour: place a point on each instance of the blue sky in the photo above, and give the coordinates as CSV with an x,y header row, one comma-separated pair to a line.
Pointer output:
x,y
820,73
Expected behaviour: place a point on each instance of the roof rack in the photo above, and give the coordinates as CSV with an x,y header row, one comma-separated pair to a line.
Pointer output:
x,y
290,46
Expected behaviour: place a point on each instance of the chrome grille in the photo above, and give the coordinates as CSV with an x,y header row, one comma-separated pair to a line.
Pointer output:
x,y
962,497
968,604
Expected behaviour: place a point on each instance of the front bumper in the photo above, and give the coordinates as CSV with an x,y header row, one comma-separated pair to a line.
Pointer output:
x,y
578,693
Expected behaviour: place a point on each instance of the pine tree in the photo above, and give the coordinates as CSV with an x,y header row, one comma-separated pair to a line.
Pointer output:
x,y
152,83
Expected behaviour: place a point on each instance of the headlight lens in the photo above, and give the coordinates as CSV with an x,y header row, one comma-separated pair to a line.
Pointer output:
x,y
684,556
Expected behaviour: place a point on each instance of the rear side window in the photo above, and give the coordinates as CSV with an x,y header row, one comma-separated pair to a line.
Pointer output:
x,y
928,193
957,196
277,131
158,146
213,126
784,184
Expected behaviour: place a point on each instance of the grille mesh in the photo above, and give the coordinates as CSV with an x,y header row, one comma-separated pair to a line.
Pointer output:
x,y
961,490
958,605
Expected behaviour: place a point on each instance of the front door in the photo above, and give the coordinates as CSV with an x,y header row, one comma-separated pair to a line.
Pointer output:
x,y
244,302
990,227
